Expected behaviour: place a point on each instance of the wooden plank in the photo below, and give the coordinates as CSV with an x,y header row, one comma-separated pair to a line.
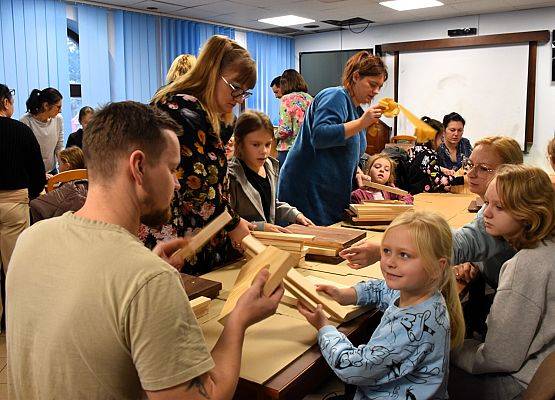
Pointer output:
x,y
331,237
303,285
206,233
322,251
200,306
196,287
481,40
279,236
278,263
385,188
253,246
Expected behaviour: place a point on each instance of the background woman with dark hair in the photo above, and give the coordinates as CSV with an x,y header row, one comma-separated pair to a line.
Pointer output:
x,y
76,138
425,173
318,175
454,148
293,104
44,118
21,176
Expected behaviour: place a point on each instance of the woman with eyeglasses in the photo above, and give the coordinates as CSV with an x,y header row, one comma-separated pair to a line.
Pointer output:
x,y
22,175
322,166
202,102
44,118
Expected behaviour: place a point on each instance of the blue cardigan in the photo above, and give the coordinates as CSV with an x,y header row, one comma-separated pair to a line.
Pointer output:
x,y
317,176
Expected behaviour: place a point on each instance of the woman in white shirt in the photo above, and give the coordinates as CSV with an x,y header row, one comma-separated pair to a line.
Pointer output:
x,y
44,118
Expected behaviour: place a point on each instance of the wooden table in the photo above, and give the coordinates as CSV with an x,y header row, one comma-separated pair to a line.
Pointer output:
x,y
310,370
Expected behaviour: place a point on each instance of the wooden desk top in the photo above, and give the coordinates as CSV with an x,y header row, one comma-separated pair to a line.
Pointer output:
x,y
302,375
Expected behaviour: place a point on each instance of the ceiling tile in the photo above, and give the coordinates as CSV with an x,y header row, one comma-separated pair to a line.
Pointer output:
x,y
160,6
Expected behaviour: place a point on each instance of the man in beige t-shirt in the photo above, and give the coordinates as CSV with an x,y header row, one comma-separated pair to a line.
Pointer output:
x,y
92,313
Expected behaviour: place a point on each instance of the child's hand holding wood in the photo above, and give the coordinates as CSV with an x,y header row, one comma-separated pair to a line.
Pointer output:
x,y
345,297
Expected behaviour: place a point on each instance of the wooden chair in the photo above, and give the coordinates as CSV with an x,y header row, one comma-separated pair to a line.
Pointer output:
x,y
71,175
403,139
542,385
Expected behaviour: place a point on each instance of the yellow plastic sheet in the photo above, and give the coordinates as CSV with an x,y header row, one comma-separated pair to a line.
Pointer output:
x,y
422,130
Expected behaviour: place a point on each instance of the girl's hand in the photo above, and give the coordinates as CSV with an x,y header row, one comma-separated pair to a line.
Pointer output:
x,y
315,318
275,228
345,297
361,255
301,219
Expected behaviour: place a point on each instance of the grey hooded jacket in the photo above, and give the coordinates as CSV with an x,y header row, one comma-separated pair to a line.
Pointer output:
x,y
246,201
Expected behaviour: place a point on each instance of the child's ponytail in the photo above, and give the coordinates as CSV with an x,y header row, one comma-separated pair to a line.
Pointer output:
x,y
451,296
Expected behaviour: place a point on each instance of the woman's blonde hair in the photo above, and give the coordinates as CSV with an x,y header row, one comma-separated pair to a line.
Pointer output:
x,y
433,239
527,194
505,147
73,156
248,122
365,64
391,161
180,66
219,55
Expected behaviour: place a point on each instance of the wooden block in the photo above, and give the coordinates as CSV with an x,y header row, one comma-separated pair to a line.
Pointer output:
x,y
205,234
200,306
330,237
289,237
322,251
302,284
386,188
278,263
252,245
196,287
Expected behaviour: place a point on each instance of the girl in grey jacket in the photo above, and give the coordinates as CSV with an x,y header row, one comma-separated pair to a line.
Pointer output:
x,y
253,176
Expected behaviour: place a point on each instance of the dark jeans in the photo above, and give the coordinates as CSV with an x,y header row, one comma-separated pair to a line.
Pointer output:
x,y
464,386
281,156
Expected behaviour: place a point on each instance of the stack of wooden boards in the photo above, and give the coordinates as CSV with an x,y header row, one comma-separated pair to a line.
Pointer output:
x,y
293,243
376,212
280,264
327,241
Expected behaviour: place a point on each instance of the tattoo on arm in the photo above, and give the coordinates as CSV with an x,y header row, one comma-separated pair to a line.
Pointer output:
x,y
197,383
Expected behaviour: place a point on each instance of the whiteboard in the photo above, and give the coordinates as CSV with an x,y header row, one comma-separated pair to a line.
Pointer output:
x,y
486,85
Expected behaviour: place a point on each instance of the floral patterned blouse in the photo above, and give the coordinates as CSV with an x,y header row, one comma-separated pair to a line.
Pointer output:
x,y
425,174
202,174
291,115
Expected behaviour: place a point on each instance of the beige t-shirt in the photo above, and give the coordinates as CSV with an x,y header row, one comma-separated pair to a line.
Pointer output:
x,y
93,314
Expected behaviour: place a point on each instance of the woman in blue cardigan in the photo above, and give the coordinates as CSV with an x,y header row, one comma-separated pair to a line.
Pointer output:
x,y
320,169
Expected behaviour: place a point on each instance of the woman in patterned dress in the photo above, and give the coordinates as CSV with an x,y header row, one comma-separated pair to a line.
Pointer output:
x,y
202,102
293,104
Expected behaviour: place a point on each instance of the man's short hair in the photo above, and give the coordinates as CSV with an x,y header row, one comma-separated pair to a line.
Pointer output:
x,y
275,81
121,128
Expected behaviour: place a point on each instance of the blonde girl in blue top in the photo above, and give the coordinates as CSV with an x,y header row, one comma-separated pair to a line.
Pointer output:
x,y
407,356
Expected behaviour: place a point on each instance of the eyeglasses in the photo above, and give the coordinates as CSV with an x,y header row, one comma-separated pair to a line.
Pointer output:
x,y
237,92
481,169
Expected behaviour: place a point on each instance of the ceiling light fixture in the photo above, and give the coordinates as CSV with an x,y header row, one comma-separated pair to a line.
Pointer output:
x,y
404,5
286,20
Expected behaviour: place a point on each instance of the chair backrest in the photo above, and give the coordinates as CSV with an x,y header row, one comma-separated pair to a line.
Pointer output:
x,y
403,138
71,175
542,385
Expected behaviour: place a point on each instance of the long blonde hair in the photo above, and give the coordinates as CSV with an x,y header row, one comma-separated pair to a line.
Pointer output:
x,y
434,241
219,54
182,64
527,194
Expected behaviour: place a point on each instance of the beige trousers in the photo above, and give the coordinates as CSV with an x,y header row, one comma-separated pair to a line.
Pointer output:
x,y
14,219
